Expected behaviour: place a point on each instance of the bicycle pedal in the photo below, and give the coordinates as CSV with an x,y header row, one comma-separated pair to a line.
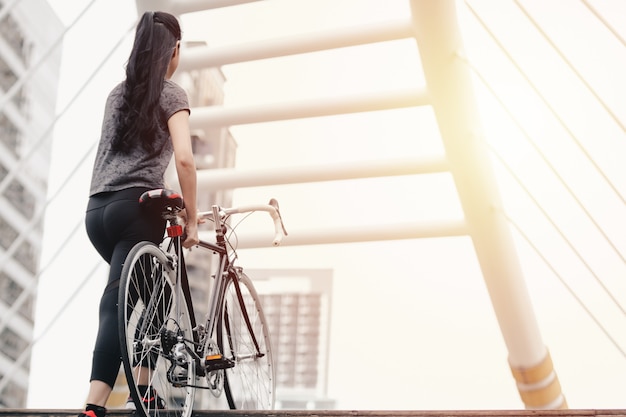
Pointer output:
x,y
217,361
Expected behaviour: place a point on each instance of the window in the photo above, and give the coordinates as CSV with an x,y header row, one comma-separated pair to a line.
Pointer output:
x,y
19,196
25,253
7,233
8,78
9,135
12,396
10,291
12,34
27,257
11,344
21,199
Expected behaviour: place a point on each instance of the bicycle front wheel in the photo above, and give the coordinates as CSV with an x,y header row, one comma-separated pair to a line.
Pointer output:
x,y
243,337
153,329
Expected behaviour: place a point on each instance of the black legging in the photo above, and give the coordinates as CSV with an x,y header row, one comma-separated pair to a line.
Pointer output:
x,y
114,225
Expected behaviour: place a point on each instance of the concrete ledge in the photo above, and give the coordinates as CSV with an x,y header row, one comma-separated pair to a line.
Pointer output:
x,y
341,413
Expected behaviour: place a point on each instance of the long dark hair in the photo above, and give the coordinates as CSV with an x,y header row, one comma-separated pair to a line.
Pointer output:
x,y
138,115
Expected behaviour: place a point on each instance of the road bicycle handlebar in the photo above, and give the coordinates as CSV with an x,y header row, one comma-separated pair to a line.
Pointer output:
x,y
272,208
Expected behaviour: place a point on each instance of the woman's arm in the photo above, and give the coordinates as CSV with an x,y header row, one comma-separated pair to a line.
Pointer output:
x,y
178,125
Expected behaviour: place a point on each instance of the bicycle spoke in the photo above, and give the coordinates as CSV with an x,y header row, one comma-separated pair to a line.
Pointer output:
x,y
147,316
245,340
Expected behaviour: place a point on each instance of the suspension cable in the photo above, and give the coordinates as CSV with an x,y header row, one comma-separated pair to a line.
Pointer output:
x,y
562,280
560,233
551,221
571,66
566,285
561,180
545,101
563,183
605,22
552,168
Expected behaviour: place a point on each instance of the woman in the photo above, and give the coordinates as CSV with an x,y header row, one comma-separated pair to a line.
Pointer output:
x,y
146,119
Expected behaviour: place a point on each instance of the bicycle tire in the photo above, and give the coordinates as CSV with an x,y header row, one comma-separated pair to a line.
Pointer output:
x,y
148,322
251,383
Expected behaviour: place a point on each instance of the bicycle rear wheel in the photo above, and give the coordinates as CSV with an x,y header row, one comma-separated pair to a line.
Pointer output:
x,y
243,337
151,325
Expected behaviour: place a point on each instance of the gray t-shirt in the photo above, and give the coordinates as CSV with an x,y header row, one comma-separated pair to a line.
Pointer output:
x,y
117,171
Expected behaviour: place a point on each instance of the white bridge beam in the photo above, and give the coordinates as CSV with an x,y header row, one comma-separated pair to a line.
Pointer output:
x,y
207,56
369,233
179,7
230,178
219,116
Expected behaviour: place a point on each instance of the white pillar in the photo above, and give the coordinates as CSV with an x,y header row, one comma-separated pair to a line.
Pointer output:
x,y
452,97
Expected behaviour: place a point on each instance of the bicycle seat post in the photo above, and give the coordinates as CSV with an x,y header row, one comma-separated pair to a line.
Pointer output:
x,y
175,229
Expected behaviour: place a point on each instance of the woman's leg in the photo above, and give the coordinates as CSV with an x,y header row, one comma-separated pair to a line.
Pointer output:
x,y
114,227
99,393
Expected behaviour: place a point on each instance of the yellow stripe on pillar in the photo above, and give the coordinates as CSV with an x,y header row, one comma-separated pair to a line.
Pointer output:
x,y
538,385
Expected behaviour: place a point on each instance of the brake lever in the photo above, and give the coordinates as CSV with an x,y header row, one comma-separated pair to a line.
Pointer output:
x,y
274,203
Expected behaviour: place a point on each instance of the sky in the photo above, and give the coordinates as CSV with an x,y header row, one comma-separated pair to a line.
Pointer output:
x,y
422,304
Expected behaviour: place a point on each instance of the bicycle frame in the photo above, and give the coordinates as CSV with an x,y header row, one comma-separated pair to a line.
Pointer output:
x,y
164,347
174,253
223,274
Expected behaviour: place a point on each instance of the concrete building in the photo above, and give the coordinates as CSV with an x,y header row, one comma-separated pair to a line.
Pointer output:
x,y
28,33
296,303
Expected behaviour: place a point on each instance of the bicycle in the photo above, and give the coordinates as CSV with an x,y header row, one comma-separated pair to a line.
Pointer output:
x,y
166,354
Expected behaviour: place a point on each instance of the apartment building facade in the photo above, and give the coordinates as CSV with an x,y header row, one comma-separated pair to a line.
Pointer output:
x,y
30,60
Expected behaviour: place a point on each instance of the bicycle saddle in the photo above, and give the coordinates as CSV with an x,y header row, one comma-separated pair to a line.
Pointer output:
x,y
161,201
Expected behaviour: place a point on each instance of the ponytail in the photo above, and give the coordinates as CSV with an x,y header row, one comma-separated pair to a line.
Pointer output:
x,y
139,116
